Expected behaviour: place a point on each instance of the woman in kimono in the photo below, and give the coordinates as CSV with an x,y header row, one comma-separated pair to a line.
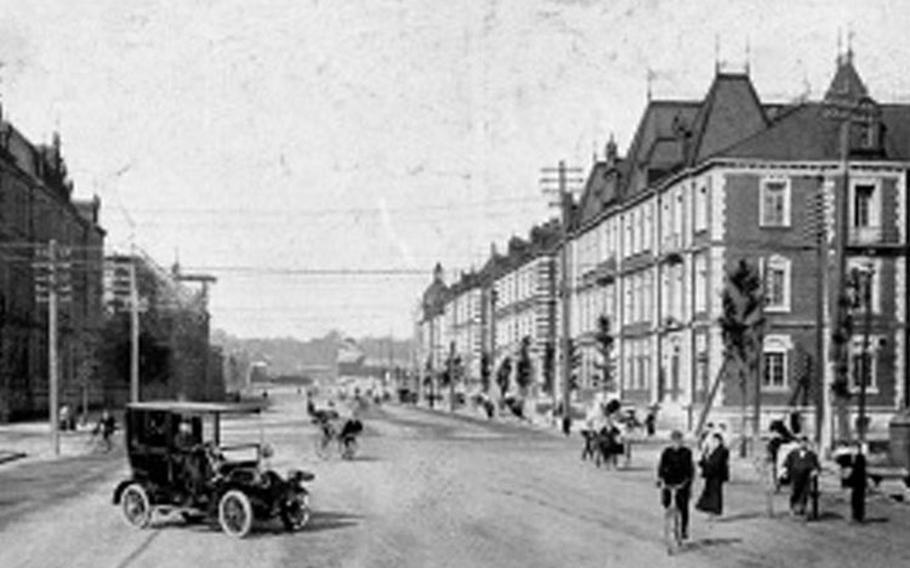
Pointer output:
x,y
715,469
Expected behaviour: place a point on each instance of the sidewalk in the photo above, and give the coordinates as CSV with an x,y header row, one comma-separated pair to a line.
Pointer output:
x,y
31,441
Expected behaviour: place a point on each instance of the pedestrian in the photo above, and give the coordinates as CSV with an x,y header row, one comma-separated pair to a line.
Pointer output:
x,y
651,421
801,466
675,468
704,437
715,469
856,481
105,426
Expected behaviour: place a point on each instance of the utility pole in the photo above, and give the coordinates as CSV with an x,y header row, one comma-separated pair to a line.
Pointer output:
x,y
53,378
820,237
760,364
451,373
565,204
134,331
52,286
847,112
866,290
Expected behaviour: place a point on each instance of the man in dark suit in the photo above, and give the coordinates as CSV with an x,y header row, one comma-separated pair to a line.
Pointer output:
x,y
676,468
801,465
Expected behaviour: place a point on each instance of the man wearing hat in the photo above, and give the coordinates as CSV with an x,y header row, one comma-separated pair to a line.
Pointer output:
x,y
676,468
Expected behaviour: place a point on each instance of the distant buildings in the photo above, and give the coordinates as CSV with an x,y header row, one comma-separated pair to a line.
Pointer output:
x,y
703,185
176,359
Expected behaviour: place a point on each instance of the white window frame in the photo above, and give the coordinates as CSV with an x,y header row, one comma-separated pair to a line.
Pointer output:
x,y
784,265
856,349
701,207
870,232
862,263
700,267
777,345
775,180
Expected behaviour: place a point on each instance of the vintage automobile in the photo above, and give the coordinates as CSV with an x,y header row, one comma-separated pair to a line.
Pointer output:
x,y
179,465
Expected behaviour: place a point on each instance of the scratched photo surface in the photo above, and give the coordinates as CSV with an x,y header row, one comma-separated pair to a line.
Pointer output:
x,y
467,283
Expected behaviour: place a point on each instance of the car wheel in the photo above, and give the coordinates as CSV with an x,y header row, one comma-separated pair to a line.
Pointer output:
x,y
235,513
137,510
295,513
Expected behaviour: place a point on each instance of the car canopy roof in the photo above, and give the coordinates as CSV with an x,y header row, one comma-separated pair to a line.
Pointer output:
x,y
196,407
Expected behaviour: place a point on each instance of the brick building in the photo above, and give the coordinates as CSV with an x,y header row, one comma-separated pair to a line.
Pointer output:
x,y
36,206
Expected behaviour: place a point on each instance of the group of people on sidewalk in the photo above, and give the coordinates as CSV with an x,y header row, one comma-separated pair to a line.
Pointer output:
x,y
676,468
801,467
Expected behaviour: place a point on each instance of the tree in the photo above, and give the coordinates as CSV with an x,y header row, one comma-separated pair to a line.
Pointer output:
x,y
524,370
574,364
549,358
485,371
742,326
605,341
503,375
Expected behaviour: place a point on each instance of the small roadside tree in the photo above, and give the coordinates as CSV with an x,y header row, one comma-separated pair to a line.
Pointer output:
x,y
485,371
549,358
605,341
503,375
742,326
523,369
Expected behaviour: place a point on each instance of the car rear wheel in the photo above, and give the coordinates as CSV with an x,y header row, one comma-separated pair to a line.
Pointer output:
x,y
137,510
235,513
295,513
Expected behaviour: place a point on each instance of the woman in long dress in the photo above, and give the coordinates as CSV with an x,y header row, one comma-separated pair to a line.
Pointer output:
x,y
715,469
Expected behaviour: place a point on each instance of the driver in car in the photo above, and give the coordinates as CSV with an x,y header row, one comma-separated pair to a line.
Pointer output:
x,y
190,468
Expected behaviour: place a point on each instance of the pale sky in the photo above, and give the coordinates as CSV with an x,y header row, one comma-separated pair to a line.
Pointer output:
x,y
267,139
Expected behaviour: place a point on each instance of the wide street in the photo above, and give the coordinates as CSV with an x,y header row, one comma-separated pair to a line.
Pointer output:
x,y
432,490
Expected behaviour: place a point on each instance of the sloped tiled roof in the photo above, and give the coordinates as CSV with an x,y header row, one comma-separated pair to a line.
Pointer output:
x,y
661,120
846,83
730,112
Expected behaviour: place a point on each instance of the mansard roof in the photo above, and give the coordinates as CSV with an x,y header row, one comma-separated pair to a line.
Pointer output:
x,y
730,112
806,132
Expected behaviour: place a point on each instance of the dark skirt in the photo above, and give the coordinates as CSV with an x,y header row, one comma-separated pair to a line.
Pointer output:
x,y
712,496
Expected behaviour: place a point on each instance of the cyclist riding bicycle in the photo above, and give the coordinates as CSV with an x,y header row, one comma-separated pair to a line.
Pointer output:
x,y
676,469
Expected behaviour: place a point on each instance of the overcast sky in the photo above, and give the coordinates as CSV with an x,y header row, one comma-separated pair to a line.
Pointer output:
x,y
267,139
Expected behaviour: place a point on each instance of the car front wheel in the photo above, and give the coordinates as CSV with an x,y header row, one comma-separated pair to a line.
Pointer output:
x,y
137,510
235,513
295,513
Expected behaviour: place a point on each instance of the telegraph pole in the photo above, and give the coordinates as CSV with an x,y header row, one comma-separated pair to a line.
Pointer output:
x,y
53,378
565,204
50,282
134,332
847,112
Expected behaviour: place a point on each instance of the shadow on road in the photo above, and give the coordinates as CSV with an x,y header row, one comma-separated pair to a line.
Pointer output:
x,y
331,520
703,543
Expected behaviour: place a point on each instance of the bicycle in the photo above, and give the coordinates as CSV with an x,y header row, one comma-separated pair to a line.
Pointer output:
x,y
329,437
672,519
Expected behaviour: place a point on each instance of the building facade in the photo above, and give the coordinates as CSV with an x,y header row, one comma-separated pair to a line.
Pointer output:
x,y
177,361
707,184
37,206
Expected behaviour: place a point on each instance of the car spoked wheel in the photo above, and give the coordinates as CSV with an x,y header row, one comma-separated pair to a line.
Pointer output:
x,y
136,507
235,513
295,513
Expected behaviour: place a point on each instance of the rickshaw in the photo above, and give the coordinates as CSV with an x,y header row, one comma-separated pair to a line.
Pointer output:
x,y
178,464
